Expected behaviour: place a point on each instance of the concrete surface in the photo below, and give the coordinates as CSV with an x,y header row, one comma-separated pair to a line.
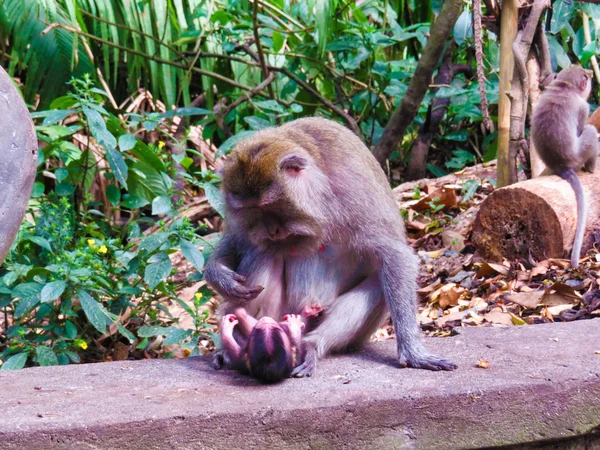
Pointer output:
x,y
18,160
543,384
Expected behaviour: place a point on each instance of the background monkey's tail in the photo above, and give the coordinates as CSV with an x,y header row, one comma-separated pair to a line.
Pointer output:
x,y
571,176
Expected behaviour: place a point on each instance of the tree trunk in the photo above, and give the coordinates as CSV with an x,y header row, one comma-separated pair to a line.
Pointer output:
x,y
535,218
508,33
419,84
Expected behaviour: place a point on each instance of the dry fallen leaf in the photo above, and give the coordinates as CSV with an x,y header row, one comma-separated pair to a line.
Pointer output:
x,y
483,364
489,268
449,295
561,294
498,316
445,197
454,240
528,300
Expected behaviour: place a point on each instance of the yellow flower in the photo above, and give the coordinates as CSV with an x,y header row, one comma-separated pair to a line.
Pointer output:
x,y
198,295
102,249
83,345
91,242
161,144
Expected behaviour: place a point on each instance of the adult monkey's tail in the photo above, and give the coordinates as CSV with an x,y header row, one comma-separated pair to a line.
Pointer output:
x,y
571,176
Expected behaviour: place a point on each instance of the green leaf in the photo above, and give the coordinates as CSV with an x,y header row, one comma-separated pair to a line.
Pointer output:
x,y
215,198
92,310
230,143
154,241
15,362
61,174
70,330
25,305
133,202
74,357
257,123
158,271
46,356
463,29
587,52
38,190
186,112
127,142
113,194
162,205
562,13
436,171
460,136
153,330
125,332
107,140
192,254
278,41
53,290
27,290
42,242
176,335
64,189
270,105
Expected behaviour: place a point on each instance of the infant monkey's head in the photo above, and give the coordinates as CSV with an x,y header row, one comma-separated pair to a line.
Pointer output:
x,y
271,352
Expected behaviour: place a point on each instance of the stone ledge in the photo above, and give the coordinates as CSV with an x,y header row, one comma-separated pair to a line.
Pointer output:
x,y
543,384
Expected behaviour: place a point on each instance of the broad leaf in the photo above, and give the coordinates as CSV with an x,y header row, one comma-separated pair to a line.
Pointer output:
x,y
53,290
93,311
15,362
46,356
192,254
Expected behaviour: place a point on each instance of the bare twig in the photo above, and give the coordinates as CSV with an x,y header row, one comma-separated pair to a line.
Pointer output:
x,y
340,112
261,55
154,58
479,57
248,95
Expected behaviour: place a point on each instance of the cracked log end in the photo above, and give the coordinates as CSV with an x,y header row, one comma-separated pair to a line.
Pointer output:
x,y
535,217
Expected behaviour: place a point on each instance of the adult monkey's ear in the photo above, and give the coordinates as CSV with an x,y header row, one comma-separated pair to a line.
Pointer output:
x,y
293,163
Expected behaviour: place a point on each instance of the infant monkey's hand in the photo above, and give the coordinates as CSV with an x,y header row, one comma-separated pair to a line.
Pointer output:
x,y
294,320
228,323
310,311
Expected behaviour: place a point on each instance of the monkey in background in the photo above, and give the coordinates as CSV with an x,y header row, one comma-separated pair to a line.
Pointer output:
x,y
564,141
265,349
310,214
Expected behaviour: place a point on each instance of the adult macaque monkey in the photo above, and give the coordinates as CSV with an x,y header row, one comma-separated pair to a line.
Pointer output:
x,y
562,138
310,215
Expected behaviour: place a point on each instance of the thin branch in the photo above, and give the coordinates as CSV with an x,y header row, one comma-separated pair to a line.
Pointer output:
x,y
248,95
132,30
479,57
543,50
261,55
154,58
340,112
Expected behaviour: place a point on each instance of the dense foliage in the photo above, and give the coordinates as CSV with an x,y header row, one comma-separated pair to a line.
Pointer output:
x,y
92,263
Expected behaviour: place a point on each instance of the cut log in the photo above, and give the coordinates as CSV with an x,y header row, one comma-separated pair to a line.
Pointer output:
x,y
534,218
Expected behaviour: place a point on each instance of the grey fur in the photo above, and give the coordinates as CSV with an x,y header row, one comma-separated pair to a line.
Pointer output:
x,y
366,263
564,141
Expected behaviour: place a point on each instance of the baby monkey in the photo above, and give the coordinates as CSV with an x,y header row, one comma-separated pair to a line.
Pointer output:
x,y
564,141
266,349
